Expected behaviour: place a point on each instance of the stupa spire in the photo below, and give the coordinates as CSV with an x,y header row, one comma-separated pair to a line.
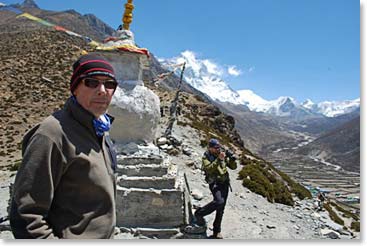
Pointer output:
x,y
128,15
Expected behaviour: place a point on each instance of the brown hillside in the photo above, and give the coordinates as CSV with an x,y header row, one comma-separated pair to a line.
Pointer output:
x,y
35,69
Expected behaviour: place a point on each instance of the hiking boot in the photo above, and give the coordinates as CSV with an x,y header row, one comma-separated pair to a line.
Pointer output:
x,y
200,221
195,229
217,235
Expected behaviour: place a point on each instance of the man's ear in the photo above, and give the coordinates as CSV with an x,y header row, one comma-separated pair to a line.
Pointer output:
x,y
75,92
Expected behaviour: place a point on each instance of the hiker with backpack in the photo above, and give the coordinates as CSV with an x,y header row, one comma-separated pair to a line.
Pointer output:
x,y
214,164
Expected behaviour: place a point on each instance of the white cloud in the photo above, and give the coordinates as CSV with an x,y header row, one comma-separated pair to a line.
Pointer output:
x,y
212,67
232,70
192,60
205,66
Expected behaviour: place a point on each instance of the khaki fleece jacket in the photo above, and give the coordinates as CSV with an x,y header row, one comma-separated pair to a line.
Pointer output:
x,y
65,187
216,169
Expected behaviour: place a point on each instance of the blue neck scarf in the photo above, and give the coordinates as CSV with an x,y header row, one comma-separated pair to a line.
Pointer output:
x,y
101,125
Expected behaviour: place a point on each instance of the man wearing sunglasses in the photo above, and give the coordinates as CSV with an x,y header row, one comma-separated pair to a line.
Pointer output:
x,y
65,187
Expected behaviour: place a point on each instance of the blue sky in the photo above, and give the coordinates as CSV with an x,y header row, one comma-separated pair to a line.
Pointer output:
x,y
298,48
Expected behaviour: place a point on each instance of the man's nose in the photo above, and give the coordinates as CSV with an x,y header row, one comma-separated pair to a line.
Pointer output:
x,y
101,89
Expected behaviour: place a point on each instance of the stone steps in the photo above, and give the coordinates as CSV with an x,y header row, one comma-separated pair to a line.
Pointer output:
x,y
139,160
150,207
165,182
150,195
143,170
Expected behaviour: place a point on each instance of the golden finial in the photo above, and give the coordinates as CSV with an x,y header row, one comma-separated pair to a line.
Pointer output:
x,y
128,15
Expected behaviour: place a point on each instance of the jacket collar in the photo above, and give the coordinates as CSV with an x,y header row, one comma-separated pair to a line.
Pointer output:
x,y
83,116
210,156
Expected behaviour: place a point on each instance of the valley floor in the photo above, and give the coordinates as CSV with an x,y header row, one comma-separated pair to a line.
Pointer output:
x,y
341,186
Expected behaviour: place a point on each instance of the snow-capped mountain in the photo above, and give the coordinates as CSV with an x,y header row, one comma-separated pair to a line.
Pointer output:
x,y
309,104
283,106
286,106
332,109
204,76
207,77
253,101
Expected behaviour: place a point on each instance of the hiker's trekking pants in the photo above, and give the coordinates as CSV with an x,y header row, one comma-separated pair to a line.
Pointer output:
x,y
220,194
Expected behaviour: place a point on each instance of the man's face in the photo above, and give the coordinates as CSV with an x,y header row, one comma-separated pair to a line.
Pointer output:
x,y
95,100
214,150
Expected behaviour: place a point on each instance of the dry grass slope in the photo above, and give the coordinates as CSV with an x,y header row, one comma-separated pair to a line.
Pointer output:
x,y
35,68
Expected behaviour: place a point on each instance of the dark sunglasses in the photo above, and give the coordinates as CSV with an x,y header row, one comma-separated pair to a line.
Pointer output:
x,y
94,83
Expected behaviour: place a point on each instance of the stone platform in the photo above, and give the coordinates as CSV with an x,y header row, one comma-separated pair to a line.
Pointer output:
x,y
150,195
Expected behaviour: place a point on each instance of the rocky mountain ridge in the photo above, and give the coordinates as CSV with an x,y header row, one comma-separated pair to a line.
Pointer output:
x,y
340,146
207,77
333,108
30,4
88,25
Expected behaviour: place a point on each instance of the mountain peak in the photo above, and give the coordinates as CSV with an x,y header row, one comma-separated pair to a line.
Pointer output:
x,y
253,101
309,104
336,108
30,4
286,100
308,101
205,76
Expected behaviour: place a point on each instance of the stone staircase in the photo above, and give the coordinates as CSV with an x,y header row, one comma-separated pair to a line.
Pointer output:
x,y
151,197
